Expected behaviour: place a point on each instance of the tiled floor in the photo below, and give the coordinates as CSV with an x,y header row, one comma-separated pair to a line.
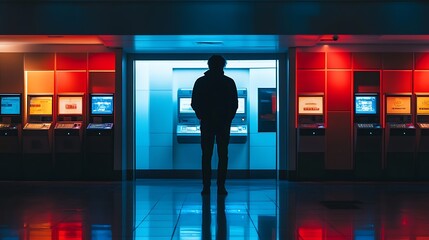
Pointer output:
x,y
174,209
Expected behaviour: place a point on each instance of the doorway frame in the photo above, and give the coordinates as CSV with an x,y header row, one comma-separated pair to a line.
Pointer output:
x,y
283,101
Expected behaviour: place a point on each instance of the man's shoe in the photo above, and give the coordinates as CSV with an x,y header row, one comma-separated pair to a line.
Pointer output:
x,y
205,191
222,191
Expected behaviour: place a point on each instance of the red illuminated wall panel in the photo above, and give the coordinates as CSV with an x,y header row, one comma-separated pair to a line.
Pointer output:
x,y
366,60
398,61
339,60
421,81
310,233
11,73
339,141
421,61
101,82
310,81
71,61
339,90
397,81
310,60
39,61
101,61
71,82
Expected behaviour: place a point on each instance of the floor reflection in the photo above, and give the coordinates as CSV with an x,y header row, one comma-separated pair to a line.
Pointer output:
x,y
174,209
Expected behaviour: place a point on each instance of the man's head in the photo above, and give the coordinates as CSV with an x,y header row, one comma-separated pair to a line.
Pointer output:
x,y
216,62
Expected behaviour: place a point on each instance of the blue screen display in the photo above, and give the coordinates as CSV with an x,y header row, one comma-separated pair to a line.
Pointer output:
x,y
365,104
102,105
10,105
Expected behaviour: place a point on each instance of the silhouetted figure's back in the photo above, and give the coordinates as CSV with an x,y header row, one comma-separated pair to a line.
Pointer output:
x,y
215,102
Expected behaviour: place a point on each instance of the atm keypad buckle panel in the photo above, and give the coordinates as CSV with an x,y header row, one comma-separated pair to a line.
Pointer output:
x,y
38,126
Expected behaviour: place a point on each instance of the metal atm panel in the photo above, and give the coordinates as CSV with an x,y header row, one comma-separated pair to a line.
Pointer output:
x,y
368,136
311,137
9,138
400,139
37,138
68,137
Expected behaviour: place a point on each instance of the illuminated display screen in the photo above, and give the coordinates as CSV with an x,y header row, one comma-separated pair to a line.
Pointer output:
x,y
398,105
185,105
40,105
311,105
102,105
10,105
241,105
423,105
70,105
365,104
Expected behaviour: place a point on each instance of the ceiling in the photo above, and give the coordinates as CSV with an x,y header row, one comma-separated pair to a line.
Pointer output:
x,y
202,43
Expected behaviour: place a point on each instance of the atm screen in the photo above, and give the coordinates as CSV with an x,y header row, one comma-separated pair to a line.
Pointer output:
x,y
10,105
40,105
366,105
102,105
422,105
310,105
398,105
241,105
70,105
185,105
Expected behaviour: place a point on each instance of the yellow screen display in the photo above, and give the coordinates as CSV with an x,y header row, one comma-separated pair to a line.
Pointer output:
x,y
40,106
310,105
423,105
398,105
70,105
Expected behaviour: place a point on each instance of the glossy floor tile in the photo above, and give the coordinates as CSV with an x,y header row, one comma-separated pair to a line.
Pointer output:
x,y
174,209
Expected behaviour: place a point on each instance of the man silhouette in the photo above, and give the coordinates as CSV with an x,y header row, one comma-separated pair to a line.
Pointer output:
x,y
215,102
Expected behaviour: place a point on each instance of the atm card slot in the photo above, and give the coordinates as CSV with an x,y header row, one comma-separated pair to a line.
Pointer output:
x,y
99,132
312,132
66,132
369,132
9,132
402,132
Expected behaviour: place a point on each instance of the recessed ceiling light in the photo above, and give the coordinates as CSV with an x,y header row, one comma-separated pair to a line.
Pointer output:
x,y
209,43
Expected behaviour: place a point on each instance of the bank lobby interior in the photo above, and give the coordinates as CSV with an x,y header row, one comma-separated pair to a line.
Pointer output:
x,y
330,141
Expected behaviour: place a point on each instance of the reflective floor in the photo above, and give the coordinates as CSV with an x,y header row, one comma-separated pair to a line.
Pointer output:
x,y
174,209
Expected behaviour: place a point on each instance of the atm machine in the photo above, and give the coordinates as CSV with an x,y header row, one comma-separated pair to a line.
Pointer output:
x,y
188,125
400,137
99,138
422,120
368,136
311,139
10,136
68,136
37,162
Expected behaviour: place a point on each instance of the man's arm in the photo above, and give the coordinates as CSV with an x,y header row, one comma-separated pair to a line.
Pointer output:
x,y
234,100
196,99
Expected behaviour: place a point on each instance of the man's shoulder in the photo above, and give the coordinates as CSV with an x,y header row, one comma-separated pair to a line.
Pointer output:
x,y
229,80
202,78
227,77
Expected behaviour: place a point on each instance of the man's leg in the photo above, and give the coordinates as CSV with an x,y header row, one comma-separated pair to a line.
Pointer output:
x,y
222,141
207,143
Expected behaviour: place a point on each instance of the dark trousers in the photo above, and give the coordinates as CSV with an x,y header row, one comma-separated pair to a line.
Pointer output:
x,y
210,131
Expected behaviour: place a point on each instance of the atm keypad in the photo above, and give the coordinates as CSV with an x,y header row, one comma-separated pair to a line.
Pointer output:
x,y
401,125
38,126
365,125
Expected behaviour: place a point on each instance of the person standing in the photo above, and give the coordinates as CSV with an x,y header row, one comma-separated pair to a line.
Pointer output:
x,y
215,102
